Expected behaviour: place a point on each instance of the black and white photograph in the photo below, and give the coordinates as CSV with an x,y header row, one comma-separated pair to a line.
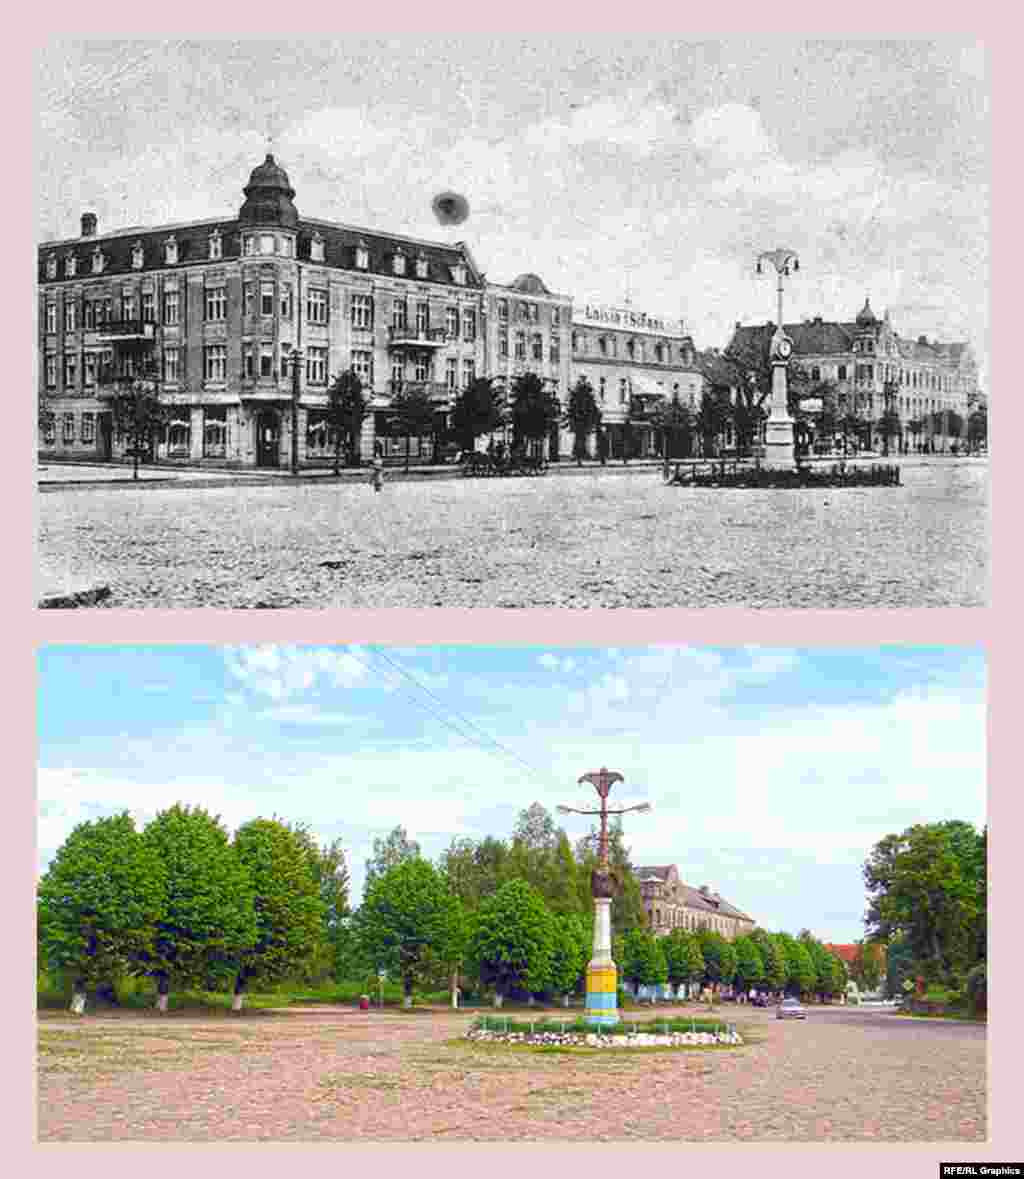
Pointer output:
x,y
538,322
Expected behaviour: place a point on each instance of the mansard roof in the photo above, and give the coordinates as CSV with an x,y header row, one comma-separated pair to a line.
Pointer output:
x,y
340,243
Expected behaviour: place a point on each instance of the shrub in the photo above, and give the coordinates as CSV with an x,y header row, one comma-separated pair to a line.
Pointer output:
x,y
976,988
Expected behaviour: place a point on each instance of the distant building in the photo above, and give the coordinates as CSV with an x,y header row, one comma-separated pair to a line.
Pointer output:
x,y
672,904
633,360
874,368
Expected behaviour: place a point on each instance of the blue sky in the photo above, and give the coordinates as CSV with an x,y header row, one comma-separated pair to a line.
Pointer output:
x,y
605,164
771,771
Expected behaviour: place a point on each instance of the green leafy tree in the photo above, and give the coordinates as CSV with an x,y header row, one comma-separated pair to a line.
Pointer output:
x,y
773,957
582,417
899,967
289,908
99,902
329,867
534,410
570,953
210,915
412,415
408,917
642,959
346,409
138,415
867,966
803,976
394,849
926,885
749,964
477,410
512,940
719,958
684,960
712,418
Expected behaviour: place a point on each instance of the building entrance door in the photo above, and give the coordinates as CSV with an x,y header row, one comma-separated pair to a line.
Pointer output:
x,y
268,439
105,437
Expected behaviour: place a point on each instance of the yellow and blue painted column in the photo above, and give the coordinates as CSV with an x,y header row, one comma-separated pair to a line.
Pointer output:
x,y
602,977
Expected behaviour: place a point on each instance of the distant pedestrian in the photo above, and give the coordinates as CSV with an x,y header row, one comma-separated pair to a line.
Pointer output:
x,y
378,473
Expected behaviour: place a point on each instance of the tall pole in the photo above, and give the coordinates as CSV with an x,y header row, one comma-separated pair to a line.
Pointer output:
x,y
296,357
780,450
602,977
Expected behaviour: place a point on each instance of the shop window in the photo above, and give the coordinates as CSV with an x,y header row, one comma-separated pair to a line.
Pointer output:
x,y
215,431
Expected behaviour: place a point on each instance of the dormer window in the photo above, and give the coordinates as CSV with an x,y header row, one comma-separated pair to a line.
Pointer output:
x,y
459,274
286,246
98,261
421,266
137,256
51,266
398,262
171,250
267,243
362,257
316,248
70,266
216,246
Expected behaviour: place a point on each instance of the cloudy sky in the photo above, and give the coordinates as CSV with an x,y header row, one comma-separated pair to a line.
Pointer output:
x,y
771,771
660,167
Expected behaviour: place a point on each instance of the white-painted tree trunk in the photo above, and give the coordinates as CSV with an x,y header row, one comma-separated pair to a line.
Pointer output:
x,y
565,1000
499,998
78,1002
236,1002
161,1002
407,1000
530,1001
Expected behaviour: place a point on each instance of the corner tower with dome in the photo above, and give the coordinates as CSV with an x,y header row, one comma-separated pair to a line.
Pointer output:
x,y
210,311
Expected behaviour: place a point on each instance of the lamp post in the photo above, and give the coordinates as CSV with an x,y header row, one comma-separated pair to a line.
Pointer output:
x,y
602,988
780,451
295,359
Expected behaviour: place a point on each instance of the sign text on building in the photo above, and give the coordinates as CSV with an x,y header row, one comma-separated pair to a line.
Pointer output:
x,y
627,319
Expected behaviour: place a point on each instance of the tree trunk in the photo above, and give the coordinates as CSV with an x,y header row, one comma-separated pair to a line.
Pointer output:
x,y
499,998
408,444
78,997
565,999
238,998
162,990
407,991
455,988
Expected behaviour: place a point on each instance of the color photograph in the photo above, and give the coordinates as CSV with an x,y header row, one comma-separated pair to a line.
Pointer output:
x,y
512,893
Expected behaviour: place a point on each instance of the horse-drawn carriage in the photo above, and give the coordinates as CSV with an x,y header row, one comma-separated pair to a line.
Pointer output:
x,y
519,463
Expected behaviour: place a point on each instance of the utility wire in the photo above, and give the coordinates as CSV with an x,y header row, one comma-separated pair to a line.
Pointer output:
x,y
470,732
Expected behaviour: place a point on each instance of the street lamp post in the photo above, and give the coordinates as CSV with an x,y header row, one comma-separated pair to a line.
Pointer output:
x,y
602,986
780,451
295,359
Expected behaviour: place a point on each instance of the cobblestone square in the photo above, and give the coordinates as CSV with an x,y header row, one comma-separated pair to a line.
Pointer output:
x,y
842,1075
590,539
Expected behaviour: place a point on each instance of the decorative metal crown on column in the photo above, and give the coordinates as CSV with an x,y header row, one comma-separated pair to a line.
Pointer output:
x,y
603,879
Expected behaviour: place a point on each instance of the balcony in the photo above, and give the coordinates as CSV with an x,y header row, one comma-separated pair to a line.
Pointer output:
x,y
125,331
435,390
412,337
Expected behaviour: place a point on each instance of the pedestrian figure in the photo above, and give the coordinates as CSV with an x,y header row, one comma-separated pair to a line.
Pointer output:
x,y
378,473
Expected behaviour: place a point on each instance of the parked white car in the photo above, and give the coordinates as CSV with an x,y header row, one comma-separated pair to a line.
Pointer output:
x,y
790,1009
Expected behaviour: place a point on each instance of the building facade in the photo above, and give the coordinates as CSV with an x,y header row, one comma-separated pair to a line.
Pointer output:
x,y
874,369
215,312
528,330
632,360
671,904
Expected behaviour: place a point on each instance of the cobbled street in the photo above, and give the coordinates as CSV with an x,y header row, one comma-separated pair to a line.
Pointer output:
x,y
315,1075
595,539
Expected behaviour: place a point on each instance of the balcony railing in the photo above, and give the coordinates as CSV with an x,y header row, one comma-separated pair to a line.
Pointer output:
x,y
126,329
435,390
413,337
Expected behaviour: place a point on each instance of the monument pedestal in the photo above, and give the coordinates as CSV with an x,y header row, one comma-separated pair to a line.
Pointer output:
x,y
779,446
602,977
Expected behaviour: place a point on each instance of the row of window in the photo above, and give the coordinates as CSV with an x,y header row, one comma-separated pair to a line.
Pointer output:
x,y
536,342
682,919
265,296
527,312
636,350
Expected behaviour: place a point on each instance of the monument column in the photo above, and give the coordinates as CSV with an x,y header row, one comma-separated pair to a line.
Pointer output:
x,y
602,977
779,449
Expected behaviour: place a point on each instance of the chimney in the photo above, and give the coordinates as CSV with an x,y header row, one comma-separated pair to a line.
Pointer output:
x,y
88,225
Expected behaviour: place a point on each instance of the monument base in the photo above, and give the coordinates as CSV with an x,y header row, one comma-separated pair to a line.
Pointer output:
x,y
602,1005
779,446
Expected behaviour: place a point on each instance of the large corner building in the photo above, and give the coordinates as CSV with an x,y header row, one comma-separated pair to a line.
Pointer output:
x,y
215,311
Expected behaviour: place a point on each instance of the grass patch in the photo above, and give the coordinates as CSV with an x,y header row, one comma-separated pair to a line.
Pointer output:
x,y
579,1026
